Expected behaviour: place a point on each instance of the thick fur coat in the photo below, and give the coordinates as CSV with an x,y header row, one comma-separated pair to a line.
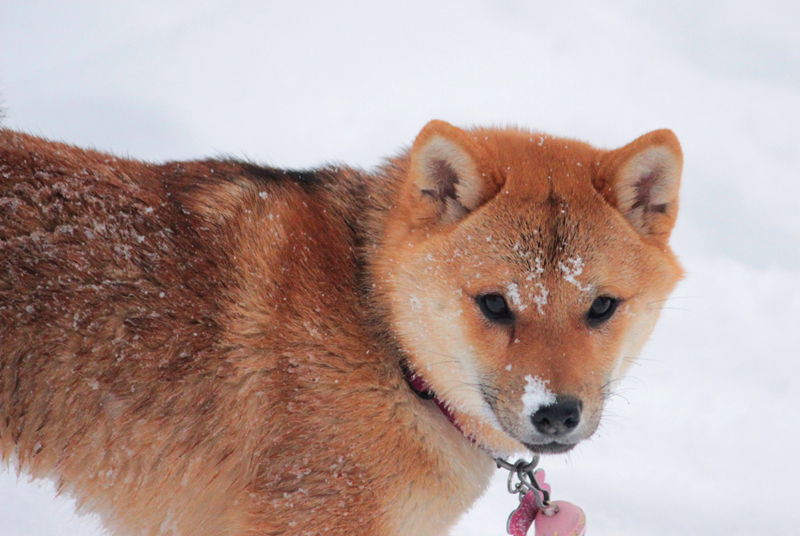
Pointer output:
x,y
219,348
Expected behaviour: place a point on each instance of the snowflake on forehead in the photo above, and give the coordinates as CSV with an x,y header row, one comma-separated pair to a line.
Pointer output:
x,y
571,272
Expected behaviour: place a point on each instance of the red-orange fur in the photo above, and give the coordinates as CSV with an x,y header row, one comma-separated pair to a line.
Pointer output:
x,y
215,348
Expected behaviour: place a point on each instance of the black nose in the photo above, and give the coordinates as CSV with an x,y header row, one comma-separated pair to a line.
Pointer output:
x,y
558,419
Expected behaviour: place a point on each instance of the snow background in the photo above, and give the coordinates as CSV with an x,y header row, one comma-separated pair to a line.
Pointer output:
x,y
706,439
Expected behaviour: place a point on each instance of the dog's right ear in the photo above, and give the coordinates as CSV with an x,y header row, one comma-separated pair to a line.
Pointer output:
x,y
450,175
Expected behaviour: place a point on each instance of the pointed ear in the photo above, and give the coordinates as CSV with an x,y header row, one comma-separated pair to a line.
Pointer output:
x,y
642,179
450,175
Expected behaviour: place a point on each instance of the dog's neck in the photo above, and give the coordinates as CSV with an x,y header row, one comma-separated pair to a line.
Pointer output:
x,y
425,392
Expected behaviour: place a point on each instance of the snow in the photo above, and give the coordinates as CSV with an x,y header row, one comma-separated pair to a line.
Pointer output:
x,y
541,298
705,440
512,289
572,269
536,395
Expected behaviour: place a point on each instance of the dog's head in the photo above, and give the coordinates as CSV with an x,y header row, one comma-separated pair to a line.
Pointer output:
x,y
524,272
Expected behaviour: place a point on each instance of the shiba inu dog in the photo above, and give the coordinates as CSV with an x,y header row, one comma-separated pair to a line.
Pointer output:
x,y
219,348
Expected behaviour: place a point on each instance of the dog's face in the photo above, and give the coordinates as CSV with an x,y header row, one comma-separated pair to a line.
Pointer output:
x,y
525,273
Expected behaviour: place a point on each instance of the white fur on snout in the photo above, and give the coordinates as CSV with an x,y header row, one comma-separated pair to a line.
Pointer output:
x,y
536,395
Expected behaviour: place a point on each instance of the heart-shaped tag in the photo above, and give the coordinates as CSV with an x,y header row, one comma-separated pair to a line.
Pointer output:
x,y
522,518
569,520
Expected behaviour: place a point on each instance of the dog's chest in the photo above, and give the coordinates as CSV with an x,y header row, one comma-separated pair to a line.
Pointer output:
x,y
432,493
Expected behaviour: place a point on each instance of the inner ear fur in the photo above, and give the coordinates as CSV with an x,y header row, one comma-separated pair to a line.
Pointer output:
x,y
642,180
450,175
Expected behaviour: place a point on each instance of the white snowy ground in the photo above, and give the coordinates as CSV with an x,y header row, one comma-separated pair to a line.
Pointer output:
x,y
707,438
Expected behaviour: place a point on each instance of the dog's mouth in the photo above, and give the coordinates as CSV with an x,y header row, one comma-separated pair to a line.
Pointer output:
x,y
550,448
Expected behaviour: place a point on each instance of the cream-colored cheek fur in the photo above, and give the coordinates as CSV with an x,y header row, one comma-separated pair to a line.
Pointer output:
x,y
641,320
431,323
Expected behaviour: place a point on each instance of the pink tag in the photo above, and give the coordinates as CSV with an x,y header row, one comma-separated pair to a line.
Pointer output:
x,y
522,518
539,475
569,520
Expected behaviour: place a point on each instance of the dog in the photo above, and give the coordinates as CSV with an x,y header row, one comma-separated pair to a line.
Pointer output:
x,y
220,348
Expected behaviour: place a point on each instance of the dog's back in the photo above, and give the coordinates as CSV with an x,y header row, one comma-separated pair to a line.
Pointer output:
x,y
149,321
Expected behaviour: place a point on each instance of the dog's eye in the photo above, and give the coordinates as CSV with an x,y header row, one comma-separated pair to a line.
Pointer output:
x,y
494,307
601,310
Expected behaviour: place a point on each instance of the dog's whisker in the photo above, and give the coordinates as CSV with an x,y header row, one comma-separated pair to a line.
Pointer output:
x,y
675,298
672,309
612,395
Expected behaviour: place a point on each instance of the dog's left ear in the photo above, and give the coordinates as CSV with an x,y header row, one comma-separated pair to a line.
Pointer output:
x,y
642,181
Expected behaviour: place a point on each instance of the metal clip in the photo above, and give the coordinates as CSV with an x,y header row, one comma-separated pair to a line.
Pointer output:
x,y
525,474
522,480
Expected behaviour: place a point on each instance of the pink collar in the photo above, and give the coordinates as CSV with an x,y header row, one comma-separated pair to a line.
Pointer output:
x,y
424,391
